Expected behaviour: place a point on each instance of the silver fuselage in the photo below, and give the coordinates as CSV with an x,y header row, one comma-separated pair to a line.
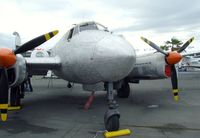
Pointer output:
x,y
94,56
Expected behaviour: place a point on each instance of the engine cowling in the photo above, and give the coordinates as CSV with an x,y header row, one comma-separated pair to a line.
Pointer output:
x,y
18,73
150,66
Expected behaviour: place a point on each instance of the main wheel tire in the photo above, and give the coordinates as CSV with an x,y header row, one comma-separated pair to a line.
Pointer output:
x,y
112,123
15,99
124,91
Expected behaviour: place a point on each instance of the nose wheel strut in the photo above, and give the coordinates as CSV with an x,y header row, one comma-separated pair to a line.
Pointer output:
x,y
112,115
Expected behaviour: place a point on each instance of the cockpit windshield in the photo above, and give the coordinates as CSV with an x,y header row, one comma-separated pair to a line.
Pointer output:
x,y
85,26
92,26
88,26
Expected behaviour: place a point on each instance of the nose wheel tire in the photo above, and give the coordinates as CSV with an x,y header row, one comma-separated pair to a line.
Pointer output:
x,y
112,124
124,91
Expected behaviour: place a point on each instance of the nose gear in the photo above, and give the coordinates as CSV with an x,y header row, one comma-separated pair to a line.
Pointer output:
x,y
112,115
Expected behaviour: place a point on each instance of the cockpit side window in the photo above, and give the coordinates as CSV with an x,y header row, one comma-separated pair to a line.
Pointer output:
x,y
76,30
70,33
88,26
101,27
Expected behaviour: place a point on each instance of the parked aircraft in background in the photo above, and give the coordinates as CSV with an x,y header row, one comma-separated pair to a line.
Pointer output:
x,y
90,55
190,61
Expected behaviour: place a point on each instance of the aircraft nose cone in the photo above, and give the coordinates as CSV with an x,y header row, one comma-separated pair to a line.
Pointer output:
x,y
114,58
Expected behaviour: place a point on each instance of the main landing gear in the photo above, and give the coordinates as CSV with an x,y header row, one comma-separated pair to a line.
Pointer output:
x,y
15,97
16,94
124,91
112,115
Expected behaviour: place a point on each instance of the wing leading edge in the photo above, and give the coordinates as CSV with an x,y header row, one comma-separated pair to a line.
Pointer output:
x,y
40,66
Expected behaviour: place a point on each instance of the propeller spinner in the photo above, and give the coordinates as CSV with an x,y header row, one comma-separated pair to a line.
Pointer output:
x,y
171,59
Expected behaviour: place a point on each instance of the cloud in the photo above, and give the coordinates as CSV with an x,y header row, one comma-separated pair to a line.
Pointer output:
x,y
42,5
161,19
160,16
6,41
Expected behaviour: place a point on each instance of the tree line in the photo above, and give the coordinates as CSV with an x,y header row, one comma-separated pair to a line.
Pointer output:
x,y
172,45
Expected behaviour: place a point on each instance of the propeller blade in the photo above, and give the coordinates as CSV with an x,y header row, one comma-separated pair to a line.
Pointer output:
x,y
174,80
3,94
185,45
171,58
154,46
35,42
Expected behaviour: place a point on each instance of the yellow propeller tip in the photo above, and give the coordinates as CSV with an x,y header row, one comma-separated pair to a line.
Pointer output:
x,y
55,32
4,117
192,38
176,98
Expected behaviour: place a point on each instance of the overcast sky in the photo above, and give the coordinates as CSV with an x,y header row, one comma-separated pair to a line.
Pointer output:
x,y
158,20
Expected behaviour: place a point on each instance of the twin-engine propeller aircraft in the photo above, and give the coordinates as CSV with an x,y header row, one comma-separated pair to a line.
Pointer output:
x,y
90,55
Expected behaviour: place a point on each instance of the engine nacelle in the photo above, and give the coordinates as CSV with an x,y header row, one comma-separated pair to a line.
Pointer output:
x,y
150,66
18,73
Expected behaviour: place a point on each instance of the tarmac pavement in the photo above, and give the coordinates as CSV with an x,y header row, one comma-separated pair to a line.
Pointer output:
x,y
150,111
